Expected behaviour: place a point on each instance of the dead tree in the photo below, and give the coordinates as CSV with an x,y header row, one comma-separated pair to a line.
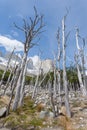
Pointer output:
x,y
22,92
37,81
31,30
81,56
6,67
17,72
80,77
51,96
12,70
58,72
55,83
83,65
65,83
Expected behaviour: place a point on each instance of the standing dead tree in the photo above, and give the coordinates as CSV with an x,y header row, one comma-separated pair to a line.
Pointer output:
x,y
6,67
58,72
31,29
13,86
65,83
22,92
81,57
55,79
11,75
37,79
79,76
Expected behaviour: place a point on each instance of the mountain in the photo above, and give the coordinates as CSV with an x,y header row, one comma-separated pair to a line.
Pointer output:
x,y
34,67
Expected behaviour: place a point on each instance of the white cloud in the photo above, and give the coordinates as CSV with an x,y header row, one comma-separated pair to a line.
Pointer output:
x,y
9,44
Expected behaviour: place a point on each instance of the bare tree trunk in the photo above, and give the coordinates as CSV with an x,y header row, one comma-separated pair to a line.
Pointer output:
x,y
8,81
6,67
52,99
83,90
58,72
81,55
83,71
36,83
54,84
9,78
64,69
22,92
31,30
17,72
18,88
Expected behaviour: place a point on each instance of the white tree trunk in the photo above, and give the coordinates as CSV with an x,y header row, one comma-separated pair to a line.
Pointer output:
x,y
18,88
58,72
83,89
54,84
6,67
37,81
81,55
9,78
35,87
64,69
22,92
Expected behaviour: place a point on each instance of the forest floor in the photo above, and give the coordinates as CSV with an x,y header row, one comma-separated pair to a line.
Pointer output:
x,y
27,117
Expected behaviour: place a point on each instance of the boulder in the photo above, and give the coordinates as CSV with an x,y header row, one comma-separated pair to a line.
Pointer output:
x,y
44,114
2,111
51,114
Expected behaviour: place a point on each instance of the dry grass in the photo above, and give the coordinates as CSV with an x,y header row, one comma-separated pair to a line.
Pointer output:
x,y
65,122
23,116
40,107
4,100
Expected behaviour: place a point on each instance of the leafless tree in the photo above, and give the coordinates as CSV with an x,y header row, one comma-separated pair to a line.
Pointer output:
x,y
65,83
37,80
10,57
31,29
22,92
58,71
81,57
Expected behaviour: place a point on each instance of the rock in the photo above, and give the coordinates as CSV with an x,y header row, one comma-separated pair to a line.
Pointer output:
x,y
1,92
51,114
47,114
43,114
9,92
2,111
31,128
4,129
81,118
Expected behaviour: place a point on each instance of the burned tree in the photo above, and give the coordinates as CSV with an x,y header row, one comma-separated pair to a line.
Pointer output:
x,y
31,29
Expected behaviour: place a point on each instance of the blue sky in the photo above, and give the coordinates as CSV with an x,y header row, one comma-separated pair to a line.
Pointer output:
x,y
53,10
